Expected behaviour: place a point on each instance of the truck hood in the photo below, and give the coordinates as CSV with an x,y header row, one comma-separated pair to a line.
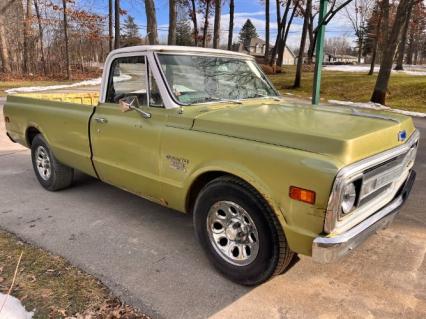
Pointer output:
x,y
347,134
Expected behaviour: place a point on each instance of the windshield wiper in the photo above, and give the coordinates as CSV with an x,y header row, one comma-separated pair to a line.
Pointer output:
x,y
213,98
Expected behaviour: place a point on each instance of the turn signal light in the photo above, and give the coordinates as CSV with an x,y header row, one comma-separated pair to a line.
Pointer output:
x,y
303,195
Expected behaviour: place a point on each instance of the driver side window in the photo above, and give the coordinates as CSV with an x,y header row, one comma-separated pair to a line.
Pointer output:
x,y
127,77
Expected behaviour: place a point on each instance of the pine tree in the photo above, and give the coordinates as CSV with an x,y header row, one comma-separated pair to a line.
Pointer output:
x,y
183,33
130,28
130,32
248,32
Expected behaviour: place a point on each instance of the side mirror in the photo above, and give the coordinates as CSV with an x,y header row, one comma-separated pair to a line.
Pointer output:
x,y
130,103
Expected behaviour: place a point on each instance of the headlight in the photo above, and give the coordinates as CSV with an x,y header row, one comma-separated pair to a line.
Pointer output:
x,y
348,198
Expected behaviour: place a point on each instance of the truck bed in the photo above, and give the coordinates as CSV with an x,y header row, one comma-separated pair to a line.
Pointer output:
x,y
63,119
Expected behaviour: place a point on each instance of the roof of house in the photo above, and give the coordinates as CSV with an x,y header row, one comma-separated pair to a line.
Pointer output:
x,y
258,41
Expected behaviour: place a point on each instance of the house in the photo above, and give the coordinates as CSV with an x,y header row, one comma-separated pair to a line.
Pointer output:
x,y
340,59
257,46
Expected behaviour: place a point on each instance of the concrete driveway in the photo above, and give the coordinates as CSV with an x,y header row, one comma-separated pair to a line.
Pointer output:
x,y
147,254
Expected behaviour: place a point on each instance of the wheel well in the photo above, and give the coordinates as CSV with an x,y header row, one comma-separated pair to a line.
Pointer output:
x,y
198,184
30,134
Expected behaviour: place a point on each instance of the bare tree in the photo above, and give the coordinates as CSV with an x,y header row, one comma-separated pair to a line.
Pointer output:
x,y
193,12
266,29
401,47
390,45
40,36
231,23
358,12
4,52
335,7
27,34
110,13
67,52
376,41
277,54
216,29
286,29
206,22
298,77
151,22
117,24
281,23
172,22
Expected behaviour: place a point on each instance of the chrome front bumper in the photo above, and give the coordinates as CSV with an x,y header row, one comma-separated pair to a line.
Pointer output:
x,y
331,248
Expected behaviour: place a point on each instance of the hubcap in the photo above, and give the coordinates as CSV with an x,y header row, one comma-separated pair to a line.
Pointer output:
x,y
43,163
232,233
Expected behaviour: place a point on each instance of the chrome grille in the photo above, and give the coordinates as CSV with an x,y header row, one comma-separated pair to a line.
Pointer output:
x,y
381,182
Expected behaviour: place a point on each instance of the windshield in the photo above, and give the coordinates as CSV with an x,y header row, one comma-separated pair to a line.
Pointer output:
x,y
198,79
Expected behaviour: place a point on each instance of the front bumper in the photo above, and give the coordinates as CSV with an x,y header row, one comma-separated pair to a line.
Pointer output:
x,y
329,249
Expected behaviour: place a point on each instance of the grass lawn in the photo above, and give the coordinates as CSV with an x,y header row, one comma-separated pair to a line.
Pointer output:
x,y
407,92
52,288
5,85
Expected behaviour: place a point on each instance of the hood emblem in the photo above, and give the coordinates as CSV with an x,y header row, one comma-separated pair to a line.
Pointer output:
x,y
402,135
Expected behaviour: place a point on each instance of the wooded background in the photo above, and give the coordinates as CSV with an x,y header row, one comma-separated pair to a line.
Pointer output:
x,y
62,39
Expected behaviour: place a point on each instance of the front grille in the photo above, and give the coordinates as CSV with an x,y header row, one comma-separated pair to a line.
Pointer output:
x,y
381,179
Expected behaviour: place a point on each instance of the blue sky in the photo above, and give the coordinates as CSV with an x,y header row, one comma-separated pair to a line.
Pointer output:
x,y
244,9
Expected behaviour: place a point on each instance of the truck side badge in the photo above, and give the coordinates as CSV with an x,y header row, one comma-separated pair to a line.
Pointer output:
x,y
177,163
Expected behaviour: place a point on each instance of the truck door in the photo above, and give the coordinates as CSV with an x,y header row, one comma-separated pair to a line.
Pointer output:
x,y
125,145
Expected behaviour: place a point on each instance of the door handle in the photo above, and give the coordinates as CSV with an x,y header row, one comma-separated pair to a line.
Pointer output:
x,y
100,120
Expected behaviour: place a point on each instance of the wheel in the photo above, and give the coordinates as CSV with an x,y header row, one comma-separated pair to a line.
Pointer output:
x,y
51,174
239,232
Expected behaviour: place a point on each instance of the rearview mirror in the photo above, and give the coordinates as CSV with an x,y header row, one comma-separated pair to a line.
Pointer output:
x,y
130,103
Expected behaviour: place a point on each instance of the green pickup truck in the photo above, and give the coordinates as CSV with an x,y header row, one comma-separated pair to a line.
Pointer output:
x,y
204,132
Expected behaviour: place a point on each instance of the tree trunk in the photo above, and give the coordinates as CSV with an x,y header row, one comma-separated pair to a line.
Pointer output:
x,y
312,39
117,24
67,52
401,48
206,24
231,24
379,93
151,22
172,23
409,59
194,22
360,46
284,36
266,30
278,50
4,50
40,34
110,25
216,30
27,27
376,42
298,77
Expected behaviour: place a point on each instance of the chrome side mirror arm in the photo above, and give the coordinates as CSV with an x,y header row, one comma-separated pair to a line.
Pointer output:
x,y
128,104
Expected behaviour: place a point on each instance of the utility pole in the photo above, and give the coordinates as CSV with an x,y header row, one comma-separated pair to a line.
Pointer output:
x,y
319,56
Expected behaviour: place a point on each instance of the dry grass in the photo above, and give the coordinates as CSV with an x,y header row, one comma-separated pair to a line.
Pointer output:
x,y
53,288
407,92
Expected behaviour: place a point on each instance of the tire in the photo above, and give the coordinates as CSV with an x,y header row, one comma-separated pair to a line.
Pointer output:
x,y
51,174
243,207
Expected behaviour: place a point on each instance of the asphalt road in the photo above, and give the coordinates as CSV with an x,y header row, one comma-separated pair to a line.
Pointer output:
x,y
147,254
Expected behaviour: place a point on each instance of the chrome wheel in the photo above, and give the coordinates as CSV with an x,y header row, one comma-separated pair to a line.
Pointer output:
x,y
232,233
43,163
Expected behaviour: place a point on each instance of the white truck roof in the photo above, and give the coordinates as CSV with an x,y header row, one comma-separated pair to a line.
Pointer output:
x,y
176,48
